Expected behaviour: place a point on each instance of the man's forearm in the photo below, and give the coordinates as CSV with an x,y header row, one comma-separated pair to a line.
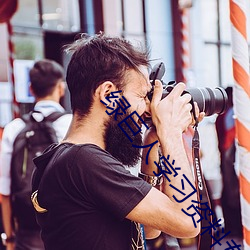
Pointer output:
x,y
148,169
7,215
173,146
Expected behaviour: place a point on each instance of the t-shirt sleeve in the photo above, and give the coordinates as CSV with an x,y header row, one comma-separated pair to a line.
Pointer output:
x,y
107,183
10,133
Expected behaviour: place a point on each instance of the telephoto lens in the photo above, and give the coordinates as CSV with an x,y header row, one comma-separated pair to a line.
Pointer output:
x,y
210,101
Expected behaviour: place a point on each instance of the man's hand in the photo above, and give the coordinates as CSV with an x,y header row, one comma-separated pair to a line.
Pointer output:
x,y
199,115
171,115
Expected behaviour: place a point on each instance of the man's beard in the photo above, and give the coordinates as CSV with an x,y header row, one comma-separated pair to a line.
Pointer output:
x,y
118,144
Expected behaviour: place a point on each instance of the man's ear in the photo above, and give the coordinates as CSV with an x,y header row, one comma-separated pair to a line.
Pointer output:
x,y
105,90
31,90
62,88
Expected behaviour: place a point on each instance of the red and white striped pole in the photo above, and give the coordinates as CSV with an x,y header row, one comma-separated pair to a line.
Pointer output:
x,y
241,95
185,55
185,64
15,106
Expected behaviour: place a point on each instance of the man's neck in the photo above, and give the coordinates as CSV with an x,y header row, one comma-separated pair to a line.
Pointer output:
x,y
48,98
86,131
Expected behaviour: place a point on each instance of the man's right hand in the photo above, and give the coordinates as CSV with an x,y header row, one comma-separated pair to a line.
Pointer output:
x,y
160,211
171,115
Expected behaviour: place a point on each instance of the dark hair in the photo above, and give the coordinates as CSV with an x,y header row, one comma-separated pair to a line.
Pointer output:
x,y
44,76
97,59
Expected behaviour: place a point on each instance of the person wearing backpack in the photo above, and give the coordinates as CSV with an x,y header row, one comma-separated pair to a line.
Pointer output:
x,y
23,139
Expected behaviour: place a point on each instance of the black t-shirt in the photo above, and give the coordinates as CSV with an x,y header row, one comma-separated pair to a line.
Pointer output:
x,y
88,194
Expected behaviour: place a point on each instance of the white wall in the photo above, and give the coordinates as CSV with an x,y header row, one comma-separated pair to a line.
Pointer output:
x,y
160,34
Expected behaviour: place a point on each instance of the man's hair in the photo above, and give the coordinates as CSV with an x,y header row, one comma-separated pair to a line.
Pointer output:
x,y
44,76
97,59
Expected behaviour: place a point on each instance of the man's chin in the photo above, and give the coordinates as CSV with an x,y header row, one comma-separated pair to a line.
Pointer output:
x,y
120,147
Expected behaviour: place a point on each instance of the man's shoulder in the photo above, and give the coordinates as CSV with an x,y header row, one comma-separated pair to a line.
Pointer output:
x,y
13,128
95,160
73,158
63,121
86,159
91,152
95,151
79,152
92,157
18,122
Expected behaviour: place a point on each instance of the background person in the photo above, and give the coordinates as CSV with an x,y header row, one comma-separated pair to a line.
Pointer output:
x,y
47,86
225,126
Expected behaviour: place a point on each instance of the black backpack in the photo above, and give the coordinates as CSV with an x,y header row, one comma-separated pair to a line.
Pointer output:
x,y
37,135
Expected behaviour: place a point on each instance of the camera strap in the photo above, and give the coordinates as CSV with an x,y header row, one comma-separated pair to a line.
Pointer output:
x,y
204,240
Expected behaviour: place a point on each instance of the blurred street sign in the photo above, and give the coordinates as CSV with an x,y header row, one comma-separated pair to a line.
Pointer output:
x,y
21,71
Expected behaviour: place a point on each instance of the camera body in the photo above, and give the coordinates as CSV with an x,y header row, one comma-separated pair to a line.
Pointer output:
x,y
210,101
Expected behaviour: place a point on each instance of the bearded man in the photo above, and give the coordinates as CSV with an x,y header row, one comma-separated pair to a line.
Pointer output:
x,y
84,196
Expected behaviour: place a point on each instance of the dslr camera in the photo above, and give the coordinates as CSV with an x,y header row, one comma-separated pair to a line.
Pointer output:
x,y
210,101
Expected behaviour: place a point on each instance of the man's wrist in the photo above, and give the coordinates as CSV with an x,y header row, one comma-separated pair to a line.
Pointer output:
x,y
7,239
152,179
166,133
